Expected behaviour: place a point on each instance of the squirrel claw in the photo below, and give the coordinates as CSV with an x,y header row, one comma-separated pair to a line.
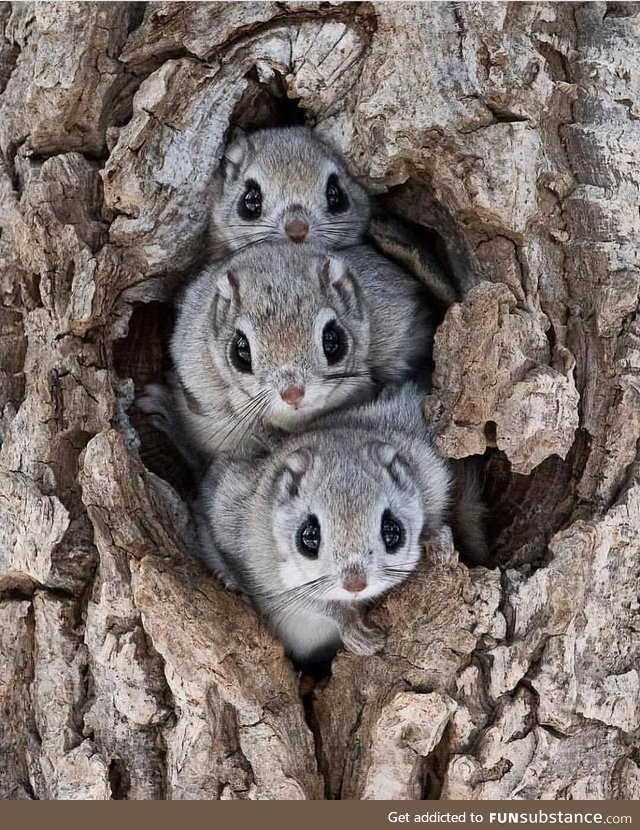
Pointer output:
x,y
155,401
362,640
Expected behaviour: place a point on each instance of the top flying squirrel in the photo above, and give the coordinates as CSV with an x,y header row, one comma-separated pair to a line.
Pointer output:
x,y
285,183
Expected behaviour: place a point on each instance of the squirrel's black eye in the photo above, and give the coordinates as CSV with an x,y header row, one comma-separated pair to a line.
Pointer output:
x,y
250,204
337,200
308,538
241,352
391,531
333,343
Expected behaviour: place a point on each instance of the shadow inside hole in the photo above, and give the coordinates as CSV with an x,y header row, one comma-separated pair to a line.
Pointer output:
x,y
526,511
436,242
266,104
143,355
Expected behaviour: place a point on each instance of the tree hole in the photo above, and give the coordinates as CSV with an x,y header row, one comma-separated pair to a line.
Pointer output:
x,y
523,511
143,356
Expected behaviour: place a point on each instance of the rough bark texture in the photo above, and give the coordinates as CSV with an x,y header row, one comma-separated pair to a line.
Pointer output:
x,y
126,671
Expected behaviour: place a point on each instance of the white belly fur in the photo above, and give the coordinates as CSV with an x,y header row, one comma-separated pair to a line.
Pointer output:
x,y
307,632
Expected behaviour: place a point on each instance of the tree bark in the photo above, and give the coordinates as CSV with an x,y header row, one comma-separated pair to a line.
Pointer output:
x,y
127,671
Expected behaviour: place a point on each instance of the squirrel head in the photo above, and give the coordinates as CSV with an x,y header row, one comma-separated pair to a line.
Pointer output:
x,y
347,516
288,335
287,184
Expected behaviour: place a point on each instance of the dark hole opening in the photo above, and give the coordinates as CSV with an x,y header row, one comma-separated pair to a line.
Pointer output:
x,y
526,511
143,356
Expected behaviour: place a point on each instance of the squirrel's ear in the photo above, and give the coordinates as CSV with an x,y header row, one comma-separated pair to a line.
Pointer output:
x,y
237,148
299,462
296,464
383,453
335,274
333,271
388,457
228,287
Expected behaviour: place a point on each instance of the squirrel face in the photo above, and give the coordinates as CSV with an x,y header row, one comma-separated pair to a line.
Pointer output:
x,y
287,184
289,335
347,521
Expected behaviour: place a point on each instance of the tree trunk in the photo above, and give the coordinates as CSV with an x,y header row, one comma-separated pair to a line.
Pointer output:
x,y
127,671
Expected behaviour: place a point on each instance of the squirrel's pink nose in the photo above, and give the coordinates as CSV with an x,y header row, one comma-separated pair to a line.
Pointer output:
x,y
354,583
292,395
297,230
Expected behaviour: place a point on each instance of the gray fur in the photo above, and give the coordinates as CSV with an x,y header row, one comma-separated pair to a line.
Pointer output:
x,y
292,166
281,296
347,471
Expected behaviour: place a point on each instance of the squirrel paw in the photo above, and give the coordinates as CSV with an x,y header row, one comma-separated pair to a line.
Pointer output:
x,y
362,640
229,582
156,402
